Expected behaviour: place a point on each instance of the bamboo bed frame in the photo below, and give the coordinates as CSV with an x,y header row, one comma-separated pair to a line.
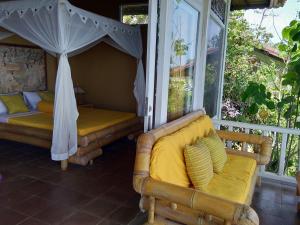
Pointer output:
x,y
89,146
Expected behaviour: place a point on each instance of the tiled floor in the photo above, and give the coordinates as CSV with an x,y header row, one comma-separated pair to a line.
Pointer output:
x,y
276,203
33,190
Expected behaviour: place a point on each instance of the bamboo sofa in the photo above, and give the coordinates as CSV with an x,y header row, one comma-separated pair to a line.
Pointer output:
x,y
167,203
89,146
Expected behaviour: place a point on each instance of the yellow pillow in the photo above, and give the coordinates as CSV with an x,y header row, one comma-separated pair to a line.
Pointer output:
x,y
199,165
44,106
217,151
14,103
47,96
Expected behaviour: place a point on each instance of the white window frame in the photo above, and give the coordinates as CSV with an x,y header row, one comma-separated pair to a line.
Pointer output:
x,y
164,52
224,26
221,83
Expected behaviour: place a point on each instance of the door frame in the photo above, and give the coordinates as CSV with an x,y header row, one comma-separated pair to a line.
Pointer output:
x,y
151,63
158,59
164,52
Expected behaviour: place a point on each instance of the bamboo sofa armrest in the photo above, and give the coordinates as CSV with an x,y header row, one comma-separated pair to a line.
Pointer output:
x,y
210,205
265,143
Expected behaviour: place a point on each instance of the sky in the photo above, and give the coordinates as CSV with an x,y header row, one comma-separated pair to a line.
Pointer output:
x,y
283,16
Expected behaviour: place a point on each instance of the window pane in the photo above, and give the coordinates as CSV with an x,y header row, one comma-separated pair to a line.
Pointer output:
x,y
213,67
134,14
183,56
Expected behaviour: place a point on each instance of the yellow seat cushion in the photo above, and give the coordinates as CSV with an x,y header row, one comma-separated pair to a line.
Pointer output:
x,y
167,158
217,151
47,96
14,103
46,107
235,181
199,165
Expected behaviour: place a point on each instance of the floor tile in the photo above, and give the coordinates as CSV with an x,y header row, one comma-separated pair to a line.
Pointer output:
x,y
108,222
10,217
124,214
13,198
66,196
32,221
32,206
101,207
55,214
81,218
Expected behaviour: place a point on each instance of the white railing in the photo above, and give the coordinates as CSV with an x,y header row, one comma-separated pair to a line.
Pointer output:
x,y
284,134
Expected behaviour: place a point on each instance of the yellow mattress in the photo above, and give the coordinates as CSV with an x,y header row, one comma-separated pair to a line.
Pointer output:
x,y
89,121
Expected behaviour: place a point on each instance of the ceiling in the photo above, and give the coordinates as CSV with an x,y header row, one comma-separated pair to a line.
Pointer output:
x,y
254,4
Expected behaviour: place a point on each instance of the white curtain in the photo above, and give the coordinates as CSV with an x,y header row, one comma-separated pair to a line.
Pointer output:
x,y
65,30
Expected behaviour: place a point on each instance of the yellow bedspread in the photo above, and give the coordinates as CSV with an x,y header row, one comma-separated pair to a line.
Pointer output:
x,y
89,121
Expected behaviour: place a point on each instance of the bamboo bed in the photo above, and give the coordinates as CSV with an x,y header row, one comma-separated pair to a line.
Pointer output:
x,y
89,145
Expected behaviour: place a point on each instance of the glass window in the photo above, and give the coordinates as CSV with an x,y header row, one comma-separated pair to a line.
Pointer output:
x,y
134,14
214,61
183,56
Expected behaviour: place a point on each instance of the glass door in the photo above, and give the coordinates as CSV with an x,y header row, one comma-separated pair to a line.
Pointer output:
x,y
179,39
183,46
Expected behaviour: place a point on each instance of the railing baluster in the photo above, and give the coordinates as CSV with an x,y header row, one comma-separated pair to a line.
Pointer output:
x,y
282,154
245,145
271,131
263,168
229,143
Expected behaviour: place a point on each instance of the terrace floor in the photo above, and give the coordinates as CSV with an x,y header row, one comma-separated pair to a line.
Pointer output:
x,y
33,190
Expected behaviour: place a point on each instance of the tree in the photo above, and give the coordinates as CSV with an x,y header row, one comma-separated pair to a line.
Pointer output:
x,y
263,92
242,65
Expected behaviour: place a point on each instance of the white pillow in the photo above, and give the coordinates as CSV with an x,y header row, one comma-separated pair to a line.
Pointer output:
x,y
3,109
31,99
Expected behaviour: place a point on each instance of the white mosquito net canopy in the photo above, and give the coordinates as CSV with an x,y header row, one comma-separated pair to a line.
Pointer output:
x,y
65,30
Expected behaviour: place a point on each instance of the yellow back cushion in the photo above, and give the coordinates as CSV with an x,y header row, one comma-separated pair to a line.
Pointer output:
x,y
167,158
44,106
14,103
199,165
217,151
47,96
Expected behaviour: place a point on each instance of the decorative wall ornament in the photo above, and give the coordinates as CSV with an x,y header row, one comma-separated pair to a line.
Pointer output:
x,y
219,8
22,68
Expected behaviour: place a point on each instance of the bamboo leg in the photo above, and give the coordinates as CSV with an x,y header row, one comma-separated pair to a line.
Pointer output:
x,y
91,162
64,165
258,181
151,210
208,218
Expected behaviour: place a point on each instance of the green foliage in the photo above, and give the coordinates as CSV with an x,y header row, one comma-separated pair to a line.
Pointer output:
x,y
179,97
265,92
135,19
241,63
257,95
180,48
